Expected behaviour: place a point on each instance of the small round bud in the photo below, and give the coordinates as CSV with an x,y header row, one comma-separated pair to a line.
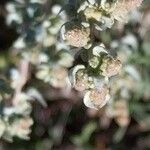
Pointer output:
x,y
110,66
97,98
94,62
75,34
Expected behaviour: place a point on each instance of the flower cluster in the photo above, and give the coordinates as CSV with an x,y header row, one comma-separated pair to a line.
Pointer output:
x,y
93,79
75,34
50,56
99,65
103,13
124,86
98,15
15,120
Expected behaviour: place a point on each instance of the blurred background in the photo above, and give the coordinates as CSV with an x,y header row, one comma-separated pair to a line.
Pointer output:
x,y
38,109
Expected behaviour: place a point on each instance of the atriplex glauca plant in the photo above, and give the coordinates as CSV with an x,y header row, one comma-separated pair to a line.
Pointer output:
x,y
63,47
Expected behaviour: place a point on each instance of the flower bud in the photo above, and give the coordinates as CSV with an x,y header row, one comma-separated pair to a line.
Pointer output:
x,y
75,34
97,98
110,66
94,61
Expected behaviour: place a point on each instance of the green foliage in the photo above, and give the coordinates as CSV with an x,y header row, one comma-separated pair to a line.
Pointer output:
x,y
82,140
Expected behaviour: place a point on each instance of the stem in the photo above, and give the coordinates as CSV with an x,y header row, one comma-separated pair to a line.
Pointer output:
x,y
23,70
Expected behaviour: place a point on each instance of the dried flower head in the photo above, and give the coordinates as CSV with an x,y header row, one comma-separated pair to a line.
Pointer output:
x,y
75,34
97,98
110,66
123,7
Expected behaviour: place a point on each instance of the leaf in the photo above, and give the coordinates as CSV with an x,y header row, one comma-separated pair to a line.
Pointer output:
x,y
119,134
85,135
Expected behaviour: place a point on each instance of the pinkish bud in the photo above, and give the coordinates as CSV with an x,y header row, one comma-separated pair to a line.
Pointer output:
x,y
110,66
